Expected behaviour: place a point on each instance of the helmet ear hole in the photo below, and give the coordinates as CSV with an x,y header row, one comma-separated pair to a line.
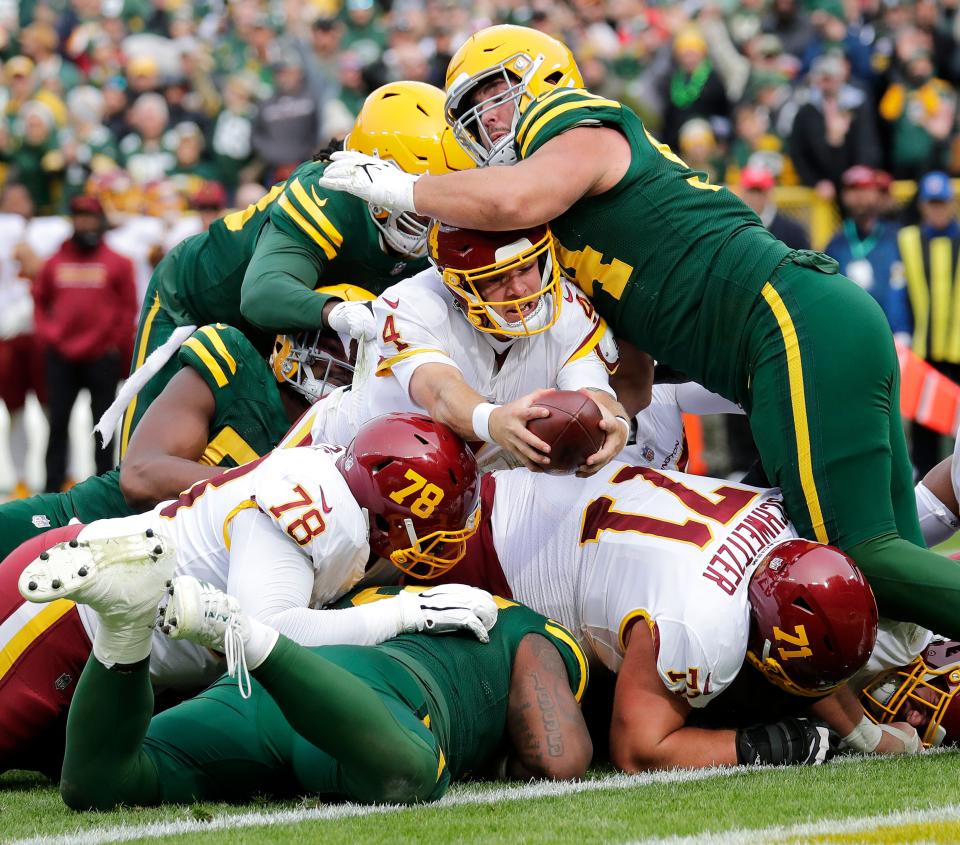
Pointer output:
x,y
554,77
381,523
803,604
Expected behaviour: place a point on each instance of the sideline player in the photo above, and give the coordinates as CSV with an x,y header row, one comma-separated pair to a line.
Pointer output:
x,y
285,534
667,580
467,342
257,268
394,723
685,270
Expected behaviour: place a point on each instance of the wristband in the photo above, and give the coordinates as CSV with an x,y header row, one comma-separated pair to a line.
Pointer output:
x,y
865,737
481,420
625,421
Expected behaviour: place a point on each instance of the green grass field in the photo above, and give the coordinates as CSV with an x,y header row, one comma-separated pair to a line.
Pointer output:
x,y
854,800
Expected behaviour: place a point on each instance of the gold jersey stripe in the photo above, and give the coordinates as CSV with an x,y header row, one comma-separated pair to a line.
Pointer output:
x,y
798,400
201,351
307,227
211,334
228,444
565,636
20,641
245,505
537,108
333,231
383,368
589,343
556,112
312,205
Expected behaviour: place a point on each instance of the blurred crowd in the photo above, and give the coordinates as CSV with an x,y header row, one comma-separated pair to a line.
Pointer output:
x,y
170,111
152,98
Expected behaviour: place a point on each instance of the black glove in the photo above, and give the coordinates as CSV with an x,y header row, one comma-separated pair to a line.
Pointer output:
x,y
790,741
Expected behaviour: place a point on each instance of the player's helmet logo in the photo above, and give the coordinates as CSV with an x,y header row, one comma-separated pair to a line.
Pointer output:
x,y
403,122
420,486
813,620
470,261
924,693
529,61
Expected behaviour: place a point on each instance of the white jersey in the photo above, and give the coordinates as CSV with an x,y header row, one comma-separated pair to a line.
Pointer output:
x,y
16,303
418,322
301,506
632,544
661,442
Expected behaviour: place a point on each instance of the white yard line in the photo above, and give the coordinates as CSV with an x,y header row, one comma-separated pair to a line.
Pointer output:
x,y
461,796
786,834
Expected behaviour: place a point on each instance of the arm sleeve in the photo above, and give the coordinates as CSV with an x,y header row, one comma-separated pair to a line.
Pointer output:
x,y
277,293
273,581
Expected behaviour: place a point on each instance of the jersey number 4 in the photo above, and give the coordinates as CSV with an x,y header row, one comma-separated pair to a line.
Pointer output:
x,y
600,515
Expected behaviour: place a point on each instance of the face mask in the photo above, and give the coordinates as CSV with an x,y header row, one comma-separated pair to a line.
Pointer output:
x,y
87,241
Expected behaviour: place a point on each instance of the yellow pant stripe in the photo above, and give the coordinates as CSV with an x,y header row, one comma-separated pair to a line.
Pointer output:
x,y
941,257
798,400
142,344
556,112
208,360
20,641
212,335
244,505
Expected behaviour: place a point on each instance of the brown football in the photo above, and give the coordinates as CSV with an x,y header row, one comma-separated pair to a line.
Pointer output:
x,y
572,430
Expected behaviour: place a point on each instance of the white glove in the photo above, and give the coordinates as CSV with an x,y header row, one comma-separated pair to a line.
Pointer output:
x,y
352,320
378,182
448,607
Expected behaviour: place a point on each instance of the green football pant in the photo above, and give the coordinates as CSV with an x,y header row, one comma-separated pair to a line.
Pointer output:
x,y
97,497
823,398
337,721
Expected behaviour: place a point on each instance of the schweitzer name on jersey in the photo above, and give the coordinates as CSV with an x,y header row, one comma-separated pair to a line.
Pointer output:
x,y
763,525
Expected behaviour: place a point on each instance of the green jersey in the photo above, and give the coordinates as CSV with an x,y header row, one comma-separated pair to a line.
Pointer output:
x,y
672,262
248,420
468,682
270,256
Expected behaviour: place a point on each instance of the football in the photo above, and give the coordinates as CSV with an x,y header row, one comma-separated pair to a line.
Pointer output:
x,y
572,430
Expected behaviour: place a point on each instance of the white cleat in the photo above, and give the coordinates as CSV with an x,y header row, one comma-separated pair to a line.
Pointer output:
x,y
197,611
121,578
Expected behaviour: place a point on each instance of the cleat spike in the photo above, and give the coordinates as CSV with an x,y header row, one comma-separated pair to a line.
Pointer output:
x,y
73,544
82,571
44,556
158,550
32,585
149,532
56,583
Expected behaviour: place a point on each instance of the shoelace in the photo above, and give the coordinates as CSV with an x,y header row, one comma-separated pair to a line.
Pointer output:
x,y
236,659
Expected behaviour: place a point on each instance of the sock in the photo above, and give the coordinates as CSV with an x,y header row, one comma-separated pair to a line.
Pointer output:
x,y
18,444
258,641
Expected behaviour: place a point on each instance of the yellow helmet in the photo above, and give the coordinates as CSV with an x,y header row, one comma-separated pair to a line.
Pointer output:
x,y
469,260
403,122
528,60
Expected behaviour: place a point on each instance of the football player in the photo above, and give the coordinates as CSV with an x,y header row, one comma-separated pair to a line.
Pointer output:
x,y
223,407
937,498
393,723
257,268
285,533
468,341
686,271
672,581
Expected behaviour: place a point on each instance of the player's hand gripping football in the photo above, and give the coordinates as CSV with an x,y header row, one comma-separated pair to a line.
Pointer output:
x,y
378,182
508,427
615,432
449,607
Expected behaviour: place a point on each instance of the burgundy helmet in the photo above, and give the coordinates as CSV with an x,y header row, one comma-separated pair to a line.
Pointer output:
x,y
420,486
813,617
923,693
468,259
